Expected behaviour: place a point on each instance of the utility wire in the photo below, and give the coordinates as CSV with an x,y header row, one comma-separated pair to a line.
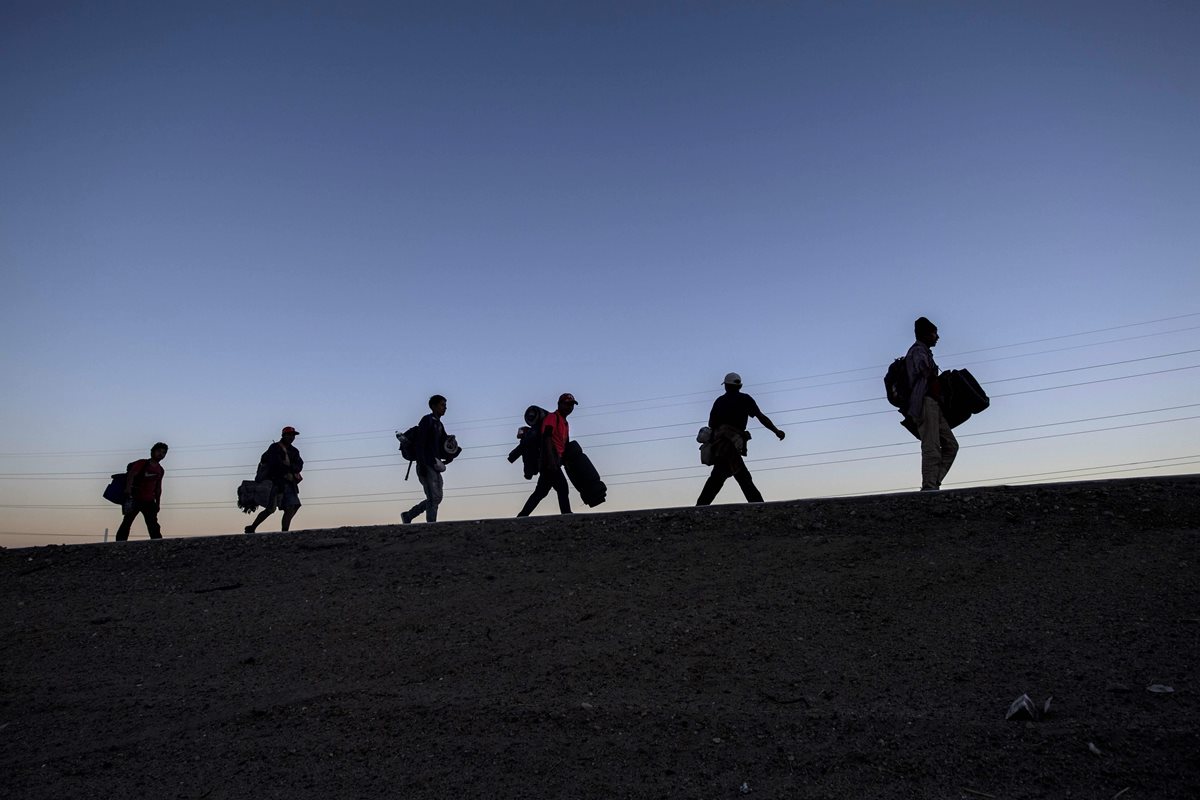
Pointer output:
x,y
511,418
86,475
874,378
319,469
1093,471
694,468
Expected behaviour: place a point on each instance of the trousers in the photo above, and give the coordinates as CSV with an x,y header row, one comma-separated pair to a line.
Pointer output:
x,y
548,479
431,482
728,463
721,472
149,510
938,445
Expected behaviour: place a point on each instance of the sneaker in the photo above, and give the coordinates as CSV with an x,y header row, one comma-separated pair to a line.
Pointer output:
x,y
405,517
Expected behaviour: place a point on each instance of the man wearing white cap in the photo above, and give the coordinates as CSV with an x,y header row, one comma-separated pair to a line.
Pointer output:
x,y
728,419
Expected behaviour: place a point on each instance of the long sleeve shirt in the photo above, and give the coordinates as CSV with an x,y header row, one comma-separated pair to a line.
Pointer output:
x,y
431,437
921,371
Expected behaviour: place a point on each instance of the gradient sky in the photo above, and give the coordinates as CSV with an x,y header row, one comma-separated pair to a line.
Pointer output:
x,y
217,219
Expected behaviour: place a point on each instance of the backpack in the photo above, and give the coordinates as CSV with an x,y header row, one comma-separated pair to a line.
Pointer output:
x,y
410,439
899,392
408,443
408,447
529,446
115,491
896,385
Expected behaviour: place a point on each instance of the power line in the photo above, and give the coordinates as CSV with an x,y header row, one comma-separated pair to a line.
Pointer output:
x,y
1083,333
511,418
973,363
709,393
950,355
457,492
89,475
1095,366
1092,471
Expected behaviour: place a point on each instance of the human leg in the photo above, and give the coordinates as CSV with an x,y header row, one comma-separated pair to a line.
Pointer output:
x,y
431,482
746,481
272,504
562,489
949,448
545,483
417,510
931,444
266,512
288,513
290,503
150,512
720,473
127,519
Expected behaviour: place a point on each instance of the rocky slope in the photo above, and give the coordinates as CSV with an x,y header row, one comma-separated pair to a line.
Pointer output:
x,y
865,647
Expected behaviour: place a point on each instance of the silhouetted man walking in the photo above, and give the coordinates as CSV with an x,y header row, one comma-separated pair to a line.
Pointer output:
x,y
431,437
282,464
555,433
730,414
938,445
143,493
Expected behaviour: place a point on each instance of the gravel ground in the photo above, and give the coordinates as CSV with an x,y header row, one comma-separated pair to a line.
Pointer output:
x,y
848,648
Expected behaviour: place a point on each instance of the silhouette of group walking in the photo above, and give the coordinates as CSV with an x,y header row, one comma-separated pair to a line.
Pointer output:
x,y
926,397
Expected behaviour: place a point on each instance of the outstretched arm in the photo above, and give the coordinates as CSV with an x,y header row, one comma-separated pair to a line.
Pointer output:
x,y
766,422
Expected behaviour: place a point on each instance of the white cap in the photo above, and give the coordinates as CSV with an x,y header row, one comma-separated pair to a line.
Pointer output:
x,y
732,379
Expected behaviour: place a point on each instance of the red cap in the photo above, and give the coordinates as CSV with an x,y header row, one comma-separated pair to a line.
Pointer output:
x,y
291,430
567,397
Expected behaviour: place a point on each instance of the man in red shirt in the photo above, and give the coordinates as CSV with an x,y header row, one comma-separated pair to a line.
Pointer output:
x,y
555,434
143,492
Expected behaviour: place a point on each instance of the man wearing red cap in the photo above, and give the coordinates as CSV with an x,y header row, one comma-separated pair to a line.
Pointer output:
x,y
281,465
555,435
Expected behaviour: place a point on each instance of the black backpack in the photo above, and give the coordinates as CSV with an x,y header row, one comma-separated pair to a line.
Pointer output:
x,y
411,438
896,385
899,392
408,443
529,446
408,447
115,491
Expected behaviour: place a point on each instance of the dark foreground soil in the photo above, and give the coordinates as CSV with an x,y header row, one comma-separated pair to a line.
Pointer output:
x,y
843,648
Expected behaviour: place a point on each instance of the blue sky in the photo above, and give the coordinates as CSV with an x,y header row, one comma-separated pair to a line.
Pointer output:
x,y
218,219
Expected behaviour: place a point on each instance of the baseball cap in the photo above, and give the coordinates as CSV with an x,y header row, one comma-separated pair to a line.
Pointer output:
x,y
732,379
291,430
567,397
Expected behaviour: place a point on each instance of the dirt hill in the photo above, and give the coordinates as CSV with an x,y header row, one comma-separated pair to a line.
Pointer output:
x,y
851,648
